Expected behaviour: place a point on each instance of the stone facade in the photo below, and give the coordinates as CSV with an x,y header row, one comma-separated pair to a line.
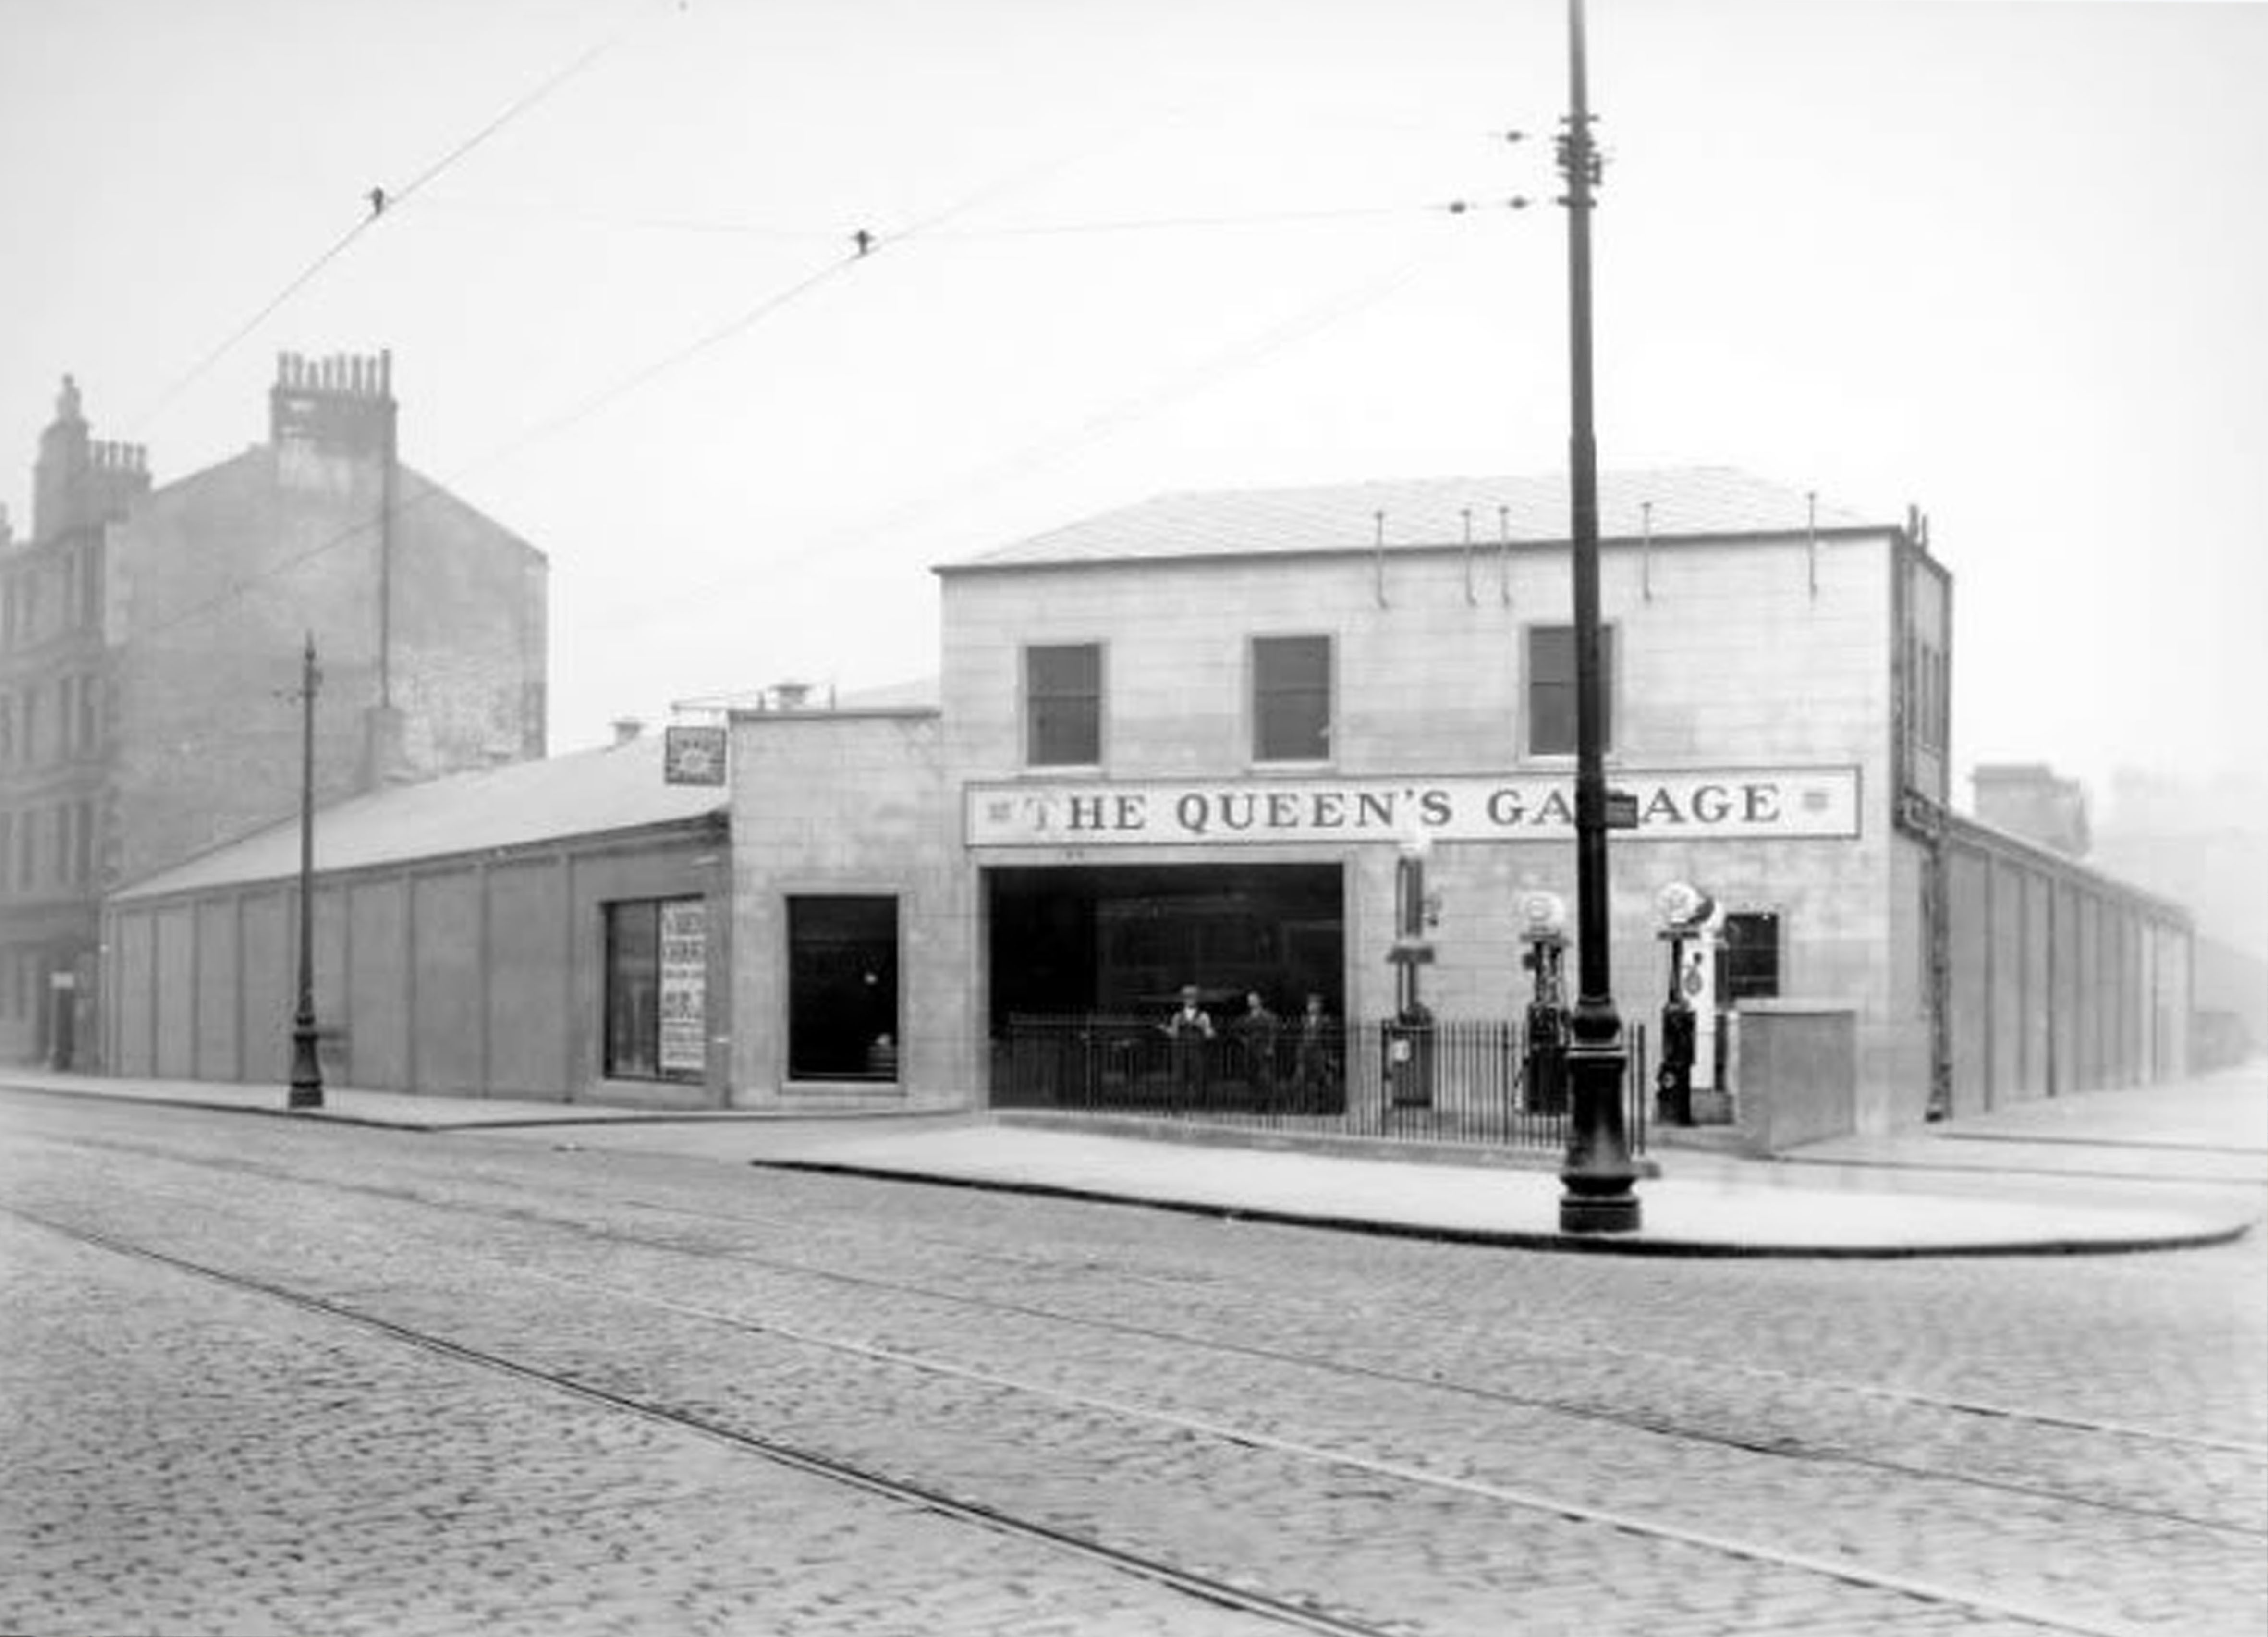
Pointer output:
x,y
1747,666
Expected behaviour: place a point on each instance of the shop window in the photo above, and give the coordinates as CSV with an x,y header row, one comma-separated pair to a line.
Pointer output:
x,y
843,988
1749,957
1552,689
657,989
1290,698
1063,704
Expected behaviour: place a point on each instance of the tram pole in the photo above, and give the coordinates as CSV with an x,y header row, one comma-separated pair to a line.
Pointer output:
x,y
307,1068
1597,1174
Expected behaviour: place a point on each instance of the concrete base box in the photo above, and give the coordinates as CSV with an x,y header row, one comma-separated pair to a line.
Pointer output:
x,y
1794,1072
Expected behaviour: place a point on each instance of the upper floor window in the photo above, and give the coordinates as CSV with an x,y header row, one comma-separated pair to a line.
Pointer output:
x,y
1942,717
1290,698
1552,689
90,713
89,585
1063,704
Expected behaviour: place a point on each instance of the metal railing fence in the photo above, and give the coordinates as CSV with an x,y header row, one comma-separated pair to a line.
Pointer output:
x,y
1456,1081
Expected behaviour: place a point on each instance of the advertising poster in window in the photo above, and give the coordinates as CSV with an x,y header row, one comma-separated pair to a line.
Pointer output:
x,y
684,987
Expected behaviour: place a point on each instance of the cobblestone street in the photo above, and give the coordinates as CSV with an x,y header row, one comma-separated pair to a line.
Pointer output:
x,y
264,1376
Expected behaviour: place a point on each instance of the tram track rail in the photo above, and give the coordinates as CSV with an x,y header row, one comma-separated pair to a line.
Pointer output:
x,y
1304,1615
1665,1427
1778,1446
1204,1588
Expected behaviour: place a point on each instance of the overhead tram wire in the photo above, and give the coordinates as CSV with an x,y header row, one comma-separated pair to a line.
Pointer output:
x,y
721,226
864,245
1134,406
382,200
1252,218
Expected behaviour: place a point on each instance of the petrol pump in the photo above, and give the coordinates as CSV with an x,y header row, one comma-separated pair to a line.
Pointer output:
x,y
1684,912
1544,929
1408,1040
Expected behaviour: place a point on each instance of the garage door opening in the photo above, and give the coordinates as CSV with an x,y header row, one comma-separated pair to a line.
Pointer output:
x,y
1123,941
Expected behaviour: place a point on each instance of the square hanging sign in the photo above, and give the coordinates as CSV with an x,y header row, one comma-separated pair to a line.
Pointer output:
x,y
693,756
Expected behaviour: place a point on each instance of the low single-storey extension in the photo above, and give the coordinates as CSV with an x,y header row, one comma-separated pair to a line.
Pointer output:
x,y
553,930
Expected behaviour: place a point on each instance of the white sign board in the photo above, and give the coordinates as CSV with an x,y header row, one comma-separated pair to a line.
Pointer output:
x,y
1688,805
684,985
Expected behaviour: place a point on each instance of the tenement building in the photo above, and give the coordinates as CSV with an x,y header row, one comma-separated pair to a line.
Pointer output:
x,y
150,655
1185,743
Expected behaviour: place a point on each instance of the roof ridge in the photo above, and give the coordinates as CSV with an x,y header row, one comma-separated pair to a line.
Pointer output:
x,y
1692,501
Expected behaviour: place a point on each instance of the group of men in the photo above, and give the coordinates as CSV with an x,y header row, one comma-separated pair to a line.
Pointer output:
x,y
1314,1070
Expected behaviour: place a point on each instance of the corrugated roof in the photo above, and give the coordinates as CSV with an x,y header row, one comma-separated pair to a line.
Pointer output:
x,y
1424,512
590,792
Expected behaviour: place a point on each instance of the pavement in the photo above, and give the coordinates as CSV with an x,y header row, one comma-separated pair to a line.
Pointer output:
x,y
2157,1167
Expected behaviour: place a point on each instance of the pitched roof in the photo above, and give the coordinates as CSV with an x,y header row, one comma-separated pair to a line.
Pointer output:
x,y
255,467
1425,513
588,794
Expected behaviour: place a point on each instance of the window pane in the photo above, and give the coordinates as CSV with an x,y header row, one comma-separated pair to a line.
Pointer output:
x,y
1066,732
1551,689
1063,704
1292,698
633,990
1075,670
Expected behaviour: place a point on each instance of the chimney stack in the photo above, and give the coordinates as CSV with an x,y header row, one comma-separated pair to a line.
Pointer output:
x,y
2027,799
339,405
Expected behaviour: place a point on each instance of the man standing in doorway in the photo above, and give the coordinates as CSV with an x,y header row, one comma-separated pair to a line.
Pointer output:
x,y
1190,1030
1314,1071
1256,1030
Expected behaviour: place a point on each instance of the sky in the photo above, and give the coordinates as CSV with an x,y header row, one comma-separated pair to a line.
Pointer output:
x,y
2006,261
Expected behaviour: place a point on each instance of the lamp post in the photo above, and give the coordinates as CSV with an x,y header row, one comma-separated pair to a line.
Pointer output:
x,y
306,1068
1597,1173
